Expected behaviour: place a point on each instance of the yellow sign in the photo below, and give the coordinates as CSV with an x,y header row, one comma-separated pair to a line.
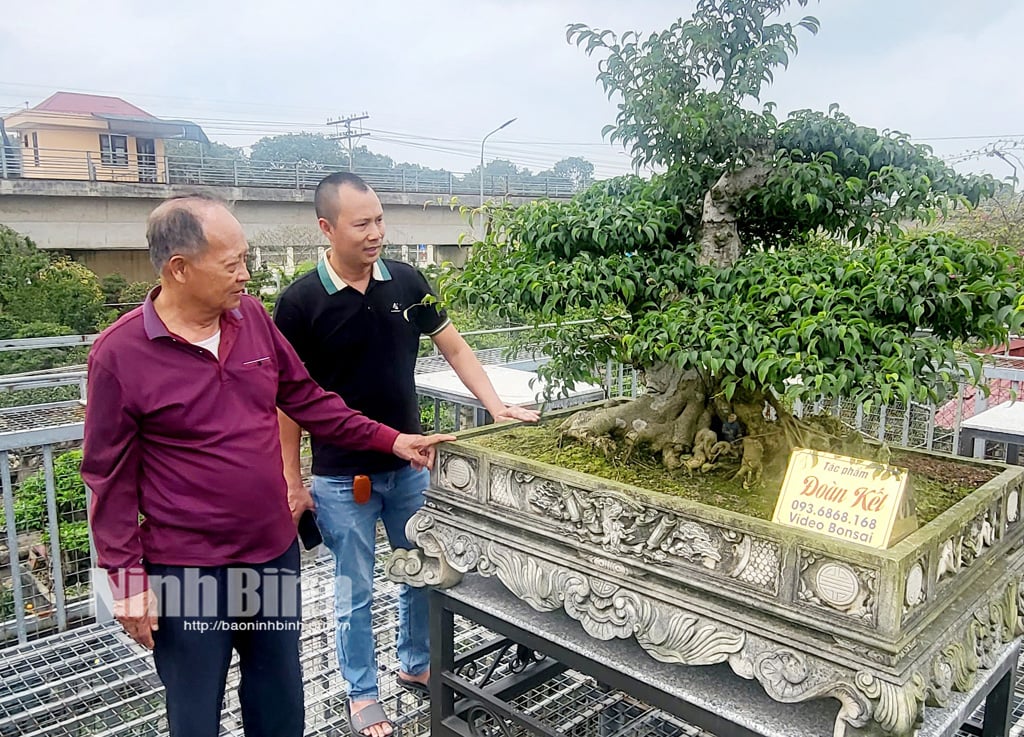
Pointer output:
x,y
846,498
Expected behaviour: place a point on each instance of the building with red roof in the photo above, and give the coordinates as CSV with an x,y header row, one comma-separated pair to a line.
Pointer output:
x,y
1000,389
93,137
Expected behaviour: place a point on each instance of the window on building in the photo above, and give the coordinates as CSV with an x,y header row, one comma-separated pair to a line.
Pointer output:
x,y
35,148
113,149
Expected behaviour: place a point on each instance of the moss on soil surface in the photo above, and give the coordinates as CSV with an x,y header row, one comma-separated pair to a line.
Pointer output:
x,y
938,483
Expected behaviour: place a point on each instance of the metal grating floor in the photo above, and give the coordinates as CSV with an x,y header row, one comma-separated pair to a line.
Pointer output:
x,y
94,681
39,416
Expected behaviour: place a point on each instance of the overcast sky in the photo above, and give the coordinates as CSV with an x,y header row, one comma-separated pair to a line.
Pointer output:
x,y
436,76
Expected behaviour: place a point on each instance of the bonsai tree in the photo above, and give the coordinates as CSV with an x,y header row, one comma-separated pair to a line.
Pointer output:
x,y
767,262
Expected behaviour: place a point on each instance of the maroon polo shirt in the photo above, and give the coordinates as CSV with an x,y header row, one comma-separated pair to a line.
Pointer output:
x,y
191,442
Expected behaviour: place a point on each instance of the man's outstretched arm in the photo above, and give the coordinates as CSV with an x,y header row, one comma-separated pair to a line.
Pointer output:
x,y
460,356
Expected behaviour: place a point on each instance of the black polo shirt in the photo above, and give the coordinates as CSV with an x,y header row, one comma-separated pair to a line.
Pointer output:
x,y
364,347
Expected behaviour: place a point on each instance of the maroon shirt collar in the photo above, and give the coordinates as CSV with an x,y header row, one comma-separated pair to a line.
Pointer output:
x,y
155,327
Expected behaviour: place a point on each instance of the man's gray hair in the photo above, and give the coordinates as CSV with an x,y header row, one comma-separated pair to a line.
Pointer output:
x,y
175,227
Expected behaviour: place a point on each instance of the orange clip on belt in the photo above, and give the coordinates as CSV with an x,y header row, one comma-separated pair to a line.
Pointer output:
x,y
361,489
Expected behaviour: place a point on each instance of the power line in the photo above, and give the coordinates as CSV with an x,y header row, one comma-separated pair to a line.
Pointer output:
x,y
521,151
228,127
248,103
968,138
244,125
237,121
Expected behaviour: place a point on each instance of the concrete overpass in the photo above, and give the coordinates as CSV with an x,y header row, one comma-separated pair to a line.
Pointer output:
x,y
102,224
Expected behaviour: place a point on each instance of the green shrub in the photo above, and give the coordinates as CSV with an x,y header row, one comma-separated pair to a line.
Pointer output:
x,y
6,603
113,285
135,294
30,505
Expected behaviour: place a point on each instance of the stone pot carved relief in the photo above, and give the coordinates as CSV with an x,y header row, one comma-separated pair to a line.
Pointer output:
x,y
969,545
838,586
625,528
870,704
458,473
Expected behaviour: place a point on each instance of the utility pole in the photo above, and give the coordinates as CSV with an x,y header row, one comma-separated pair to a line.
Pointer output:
x,y
349,135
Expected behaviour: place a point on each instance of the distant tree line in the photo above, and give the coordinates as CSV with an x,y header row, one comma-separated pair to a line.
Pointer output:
x,y
316,148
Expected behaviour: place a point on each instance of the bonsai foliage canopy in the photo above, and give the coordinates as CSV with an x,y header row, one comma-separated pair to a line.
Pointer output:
x,y
769,257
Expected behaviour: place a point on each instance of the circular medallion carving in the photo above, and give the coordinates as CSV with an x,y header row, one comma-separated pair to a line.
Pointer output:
x,y
915,585
1012,502
837,584
458,472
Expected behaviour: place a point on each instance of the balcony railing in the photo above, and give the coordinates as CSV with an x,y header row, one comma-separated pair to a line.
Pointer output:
x,y
68,165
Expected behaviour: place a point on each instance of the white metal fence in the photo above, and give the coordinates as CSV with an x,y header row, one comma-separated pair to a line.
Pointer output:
x,y
65,164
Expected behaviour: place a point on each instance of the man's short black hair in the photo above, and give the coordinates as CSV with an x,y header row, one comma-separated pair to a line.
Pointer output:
x,y
326,198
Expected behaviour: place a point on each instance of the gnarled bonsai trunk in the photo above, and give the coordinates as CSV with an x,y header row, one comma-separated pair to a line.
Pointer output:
x,y
681,416
719,239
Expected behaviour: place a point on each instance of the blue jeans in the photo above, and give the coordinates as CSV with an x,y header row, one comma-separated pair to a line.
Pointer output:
x,y
349,531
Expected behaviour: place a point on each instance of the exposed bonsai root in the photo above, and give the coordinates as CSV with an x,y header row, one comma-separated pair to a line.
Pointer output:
x,y
800,434
752,465
665,418
689,424
703,450
721,448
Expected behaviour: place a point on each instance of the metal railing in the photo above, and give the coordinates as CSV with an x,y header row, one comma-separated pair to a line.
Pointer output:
x,y
47,379
490,345
45,549
65,164
45,562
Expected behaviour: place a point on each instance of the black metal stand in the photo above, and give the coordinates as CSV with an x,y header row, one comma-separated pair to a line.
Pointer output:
x,y
998,706
469,699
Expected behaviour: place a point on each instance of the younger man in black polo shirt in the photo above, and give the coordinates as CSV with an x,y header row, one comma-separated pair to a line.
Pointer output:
x,y
356,322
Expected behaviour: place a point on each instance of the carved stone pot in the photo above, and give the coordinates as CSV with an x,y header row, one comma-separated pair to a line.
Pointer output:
x,y
884,632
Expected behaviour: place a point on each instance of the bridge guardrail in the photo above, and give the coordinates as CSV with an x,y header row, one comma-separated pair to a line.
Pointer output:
x,y
130,167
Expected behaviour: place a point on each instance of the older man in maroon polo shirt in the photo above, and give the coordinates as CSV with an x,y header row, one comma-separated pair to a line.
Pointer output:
x,y
183,458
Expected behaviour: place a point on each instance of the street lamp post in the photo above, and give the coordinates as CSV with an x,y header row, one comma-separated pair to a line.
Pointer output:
x,y
503,125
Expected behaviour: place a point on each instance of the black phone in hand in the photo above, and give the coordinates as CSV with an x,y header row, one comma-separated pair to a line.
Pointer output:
x,y
309,533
